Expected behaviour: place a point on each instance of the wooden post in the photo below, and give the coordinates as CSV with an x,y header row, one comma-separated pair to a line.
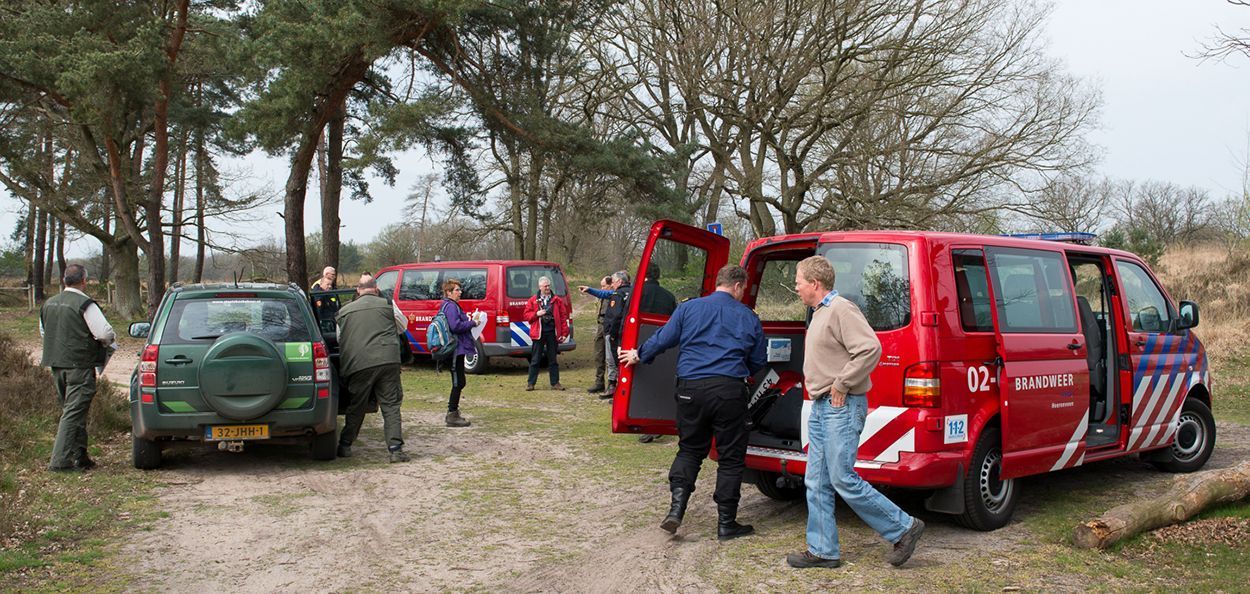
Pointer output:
x,y
30,297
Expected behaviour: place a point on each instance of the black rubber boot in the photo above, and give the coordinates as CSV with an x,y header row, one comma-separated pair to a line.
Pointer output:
x,y
676,510
727,527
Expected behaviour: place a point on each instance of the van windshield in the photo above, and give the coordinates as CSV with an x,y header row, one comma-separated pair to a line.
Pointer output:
x,y
873,276
523,280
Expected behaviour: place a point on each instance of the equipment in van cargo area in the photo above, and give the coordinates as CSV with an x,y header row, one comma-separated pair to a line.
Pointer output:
x,y
1002,357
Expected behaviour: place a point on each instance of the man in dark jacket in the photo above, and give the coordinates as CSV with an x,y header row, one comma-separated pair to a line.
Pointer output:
x,y
76,339
368,330
618,308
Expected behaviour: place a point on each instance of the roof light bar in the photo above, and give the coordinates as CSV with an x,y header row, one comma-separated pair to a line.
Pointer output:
x,y
1077,238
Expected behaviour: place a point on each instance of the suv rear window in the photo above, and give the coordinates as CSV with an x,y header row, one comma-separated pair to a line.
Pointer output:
x,y
523,280
874,276
194,321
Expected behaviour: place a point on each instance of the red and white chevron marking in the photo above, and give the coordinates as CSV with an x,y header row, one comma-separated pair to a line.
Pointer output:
x,y
888,431
1155,416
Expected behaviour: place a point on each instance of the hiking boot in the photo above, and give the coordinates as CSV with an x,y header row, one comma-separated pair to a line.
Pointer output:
x,y
85,463
529,387
907,544
676,509
608,392
399,456
455,420
806,559
595,389
647,438
727,527
65,469
345,451
557,387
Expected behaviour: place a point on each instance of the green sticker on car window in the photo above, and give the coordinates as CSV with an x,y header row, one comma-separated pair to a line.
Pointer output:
x,y
299,351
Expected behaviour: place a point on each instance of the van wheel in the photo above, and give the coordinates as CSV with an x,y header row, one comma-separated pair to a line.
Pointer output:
x,y
325,446
1194,439
989,501
146,454
767,484
477,363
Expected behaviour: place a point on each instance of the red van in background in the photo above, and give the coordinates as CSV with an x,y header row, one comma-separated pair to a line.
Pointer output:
x,y
498,287
1002,357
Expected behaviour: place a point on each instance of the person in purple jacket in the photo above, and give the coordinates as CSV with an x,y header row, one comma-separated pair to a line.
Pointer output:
x,y
461,325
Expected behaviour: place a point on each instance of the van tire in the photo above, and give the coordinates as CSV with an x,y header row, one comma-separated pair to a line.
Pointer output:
x,y
989,501
478,363
766,482
325,445
1194,440
145,454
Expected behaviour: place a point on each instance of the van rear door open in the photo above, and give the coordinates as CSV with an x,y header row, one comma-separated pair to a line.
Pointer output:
x,y
684,260
1044,378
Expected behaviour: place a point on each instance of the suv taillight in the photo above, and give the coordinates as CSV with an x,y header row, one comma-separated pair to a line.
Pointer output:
x,y
922,386
147,366
321,362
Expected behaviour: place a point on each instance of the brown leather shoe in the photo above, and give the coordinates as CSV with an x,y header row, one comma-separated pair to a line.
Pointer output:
x,y
557,387
529,387
805,559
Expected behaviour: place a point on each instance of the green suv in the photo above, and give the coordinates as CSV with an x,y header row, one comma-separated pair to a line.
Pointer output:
x,y
228,364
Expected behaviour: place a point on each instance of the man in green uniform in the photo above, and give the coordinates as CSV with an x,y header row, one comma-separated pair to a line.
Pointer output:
x,y
76,340
369,331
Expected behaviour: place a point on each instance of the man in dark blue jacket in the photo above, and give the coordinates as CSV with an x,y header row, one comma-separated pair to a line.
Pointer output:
x,y
721,345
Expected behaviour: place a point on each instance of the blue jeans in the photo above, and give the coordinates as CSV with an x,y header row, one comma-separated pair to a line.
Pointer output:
x,y
834,440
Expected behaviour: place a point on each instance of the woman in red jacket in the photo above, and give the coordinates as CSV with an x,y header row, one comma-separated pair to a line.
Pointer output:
x,y
548,316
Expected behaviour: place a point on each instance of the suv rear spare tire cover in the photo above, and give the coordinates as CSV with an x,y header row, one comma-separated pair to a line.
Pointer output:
x,y
243,376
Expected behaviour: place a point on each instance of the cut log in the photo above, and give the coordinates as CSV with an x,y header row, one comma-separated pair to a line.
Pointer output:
x,y
1189,495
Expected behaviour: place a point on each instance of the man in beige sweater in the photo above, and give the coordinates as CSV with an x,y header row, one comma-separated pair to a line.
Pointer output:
x,y
841,350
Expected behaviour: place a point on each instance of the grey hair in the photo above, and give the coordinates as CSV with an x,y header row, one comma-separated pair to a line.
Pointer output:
x,y
622,276
543,279
75,274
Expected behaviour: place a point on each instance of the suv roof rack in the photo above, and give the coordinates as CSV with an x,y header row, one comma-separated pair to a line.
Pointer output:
x,y
1071,237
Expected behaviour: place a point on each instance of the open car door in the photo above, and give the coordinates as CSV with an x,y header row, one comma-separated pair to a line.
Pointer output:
x,y
679,262
1044,377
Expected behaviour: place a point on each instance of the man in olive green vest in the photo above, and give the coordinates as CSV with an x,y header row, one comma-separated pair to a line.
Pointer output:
x,y
76,340
369,331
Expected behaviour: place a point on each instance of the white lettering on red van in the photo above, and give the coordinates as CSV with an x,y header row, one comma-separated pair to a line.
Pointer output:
x,y
1045,382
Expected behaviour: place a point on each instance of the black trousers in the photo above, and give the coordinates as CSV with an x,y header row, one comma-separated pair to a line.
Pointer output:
x,y
546,346
711,408
457,383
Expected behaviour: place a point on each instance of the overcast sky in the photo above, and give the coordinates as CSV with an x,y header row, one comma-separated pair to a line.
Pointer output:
x,y
1165,116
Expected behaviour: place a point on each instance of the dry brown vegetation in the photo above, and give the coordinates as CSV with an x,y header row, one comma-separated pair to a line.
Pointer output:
x,y
1217,278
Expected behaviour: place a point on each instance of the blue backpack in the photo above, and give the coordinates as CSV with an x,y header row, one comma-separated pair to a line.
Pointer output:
x,y
439,339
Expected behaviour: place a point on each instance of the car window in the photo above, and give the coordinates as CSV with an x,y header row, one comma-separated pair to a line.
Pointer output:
x,y
874,276
972,287
523,280
1147,308
472,282
775,299
420,284
674,274
1032,291
386,283
204,320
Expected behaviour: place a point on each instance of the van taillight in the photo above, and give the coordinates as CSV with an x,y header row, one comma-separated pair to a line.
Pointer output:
x,y
147,366
321,362
501,320
922,386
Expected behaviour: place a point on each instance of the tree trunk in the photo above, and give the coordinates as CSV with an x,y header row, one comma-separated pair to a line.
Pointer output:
x,y
105,260
31,213
180,196
293,211
60,248
517,198
125,256
199,207
41,254
1189,495
332,189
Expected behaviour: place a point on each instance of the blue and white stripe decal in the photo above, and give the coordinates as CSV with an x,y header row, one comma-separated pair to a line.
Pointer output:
x,y
520,334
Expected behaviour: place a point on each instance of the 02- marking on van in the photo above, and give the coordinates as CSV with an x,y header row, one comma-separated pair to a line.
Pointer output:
x,y
978,379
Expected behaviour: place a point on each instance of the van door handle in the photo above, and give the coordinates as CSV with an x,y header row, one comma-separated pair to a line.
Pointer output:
x,y
179,360
1074,345
1139,343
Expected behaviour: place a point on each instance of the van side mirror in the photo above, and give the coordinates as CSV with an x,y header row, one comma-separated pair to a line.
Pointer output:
x,y
1188,315
140,329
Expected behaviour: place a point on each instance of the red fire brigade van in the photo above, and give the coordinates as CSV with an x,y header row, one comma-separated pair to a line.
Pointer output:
x,y
498,287
1001,358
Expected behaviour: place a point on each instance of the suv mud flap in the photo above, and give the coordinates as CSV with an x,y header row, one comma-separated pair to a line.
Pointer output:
x,y
949,500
